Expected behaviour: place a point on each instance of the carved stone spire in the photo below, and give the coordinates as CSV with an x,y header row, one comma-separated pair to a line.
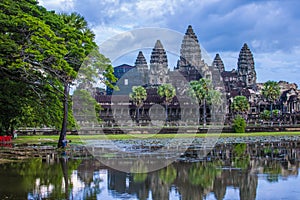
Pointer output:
x,y
159,55
142,67
190,52
218,63
246,69
141,63
158,65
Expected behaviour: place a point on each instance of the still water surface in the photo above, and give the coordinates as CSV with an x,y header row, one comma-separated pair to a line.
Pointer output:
x,y
235,171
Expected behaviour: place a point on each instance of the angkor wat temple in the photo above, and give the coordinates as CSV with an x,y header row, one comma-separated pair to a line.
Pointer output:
x,y
191,66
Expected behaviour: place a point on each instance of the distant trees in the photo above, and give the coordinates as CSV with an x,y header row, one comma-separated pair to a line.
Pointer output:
x,y
168,92
203,91
138,96
240,105
271,92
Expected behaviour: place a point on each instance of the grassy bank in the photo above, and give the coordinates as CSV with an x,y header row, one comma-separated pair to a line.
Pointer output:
x,y
78,139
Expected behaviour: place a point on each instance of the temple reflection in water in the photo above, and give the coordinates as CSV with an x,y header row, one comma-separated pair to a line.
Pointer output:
x,y
230,171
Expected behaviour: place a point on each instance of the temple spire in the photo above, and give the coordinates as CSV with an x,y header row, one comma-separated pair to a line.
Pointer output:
x,y
158,65
218,63
190,52
246,68
141,62
142,67
158,45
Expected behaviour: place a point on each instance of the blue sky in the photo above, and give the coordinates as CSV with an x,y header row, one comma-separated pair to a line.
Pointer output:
x,y
271,28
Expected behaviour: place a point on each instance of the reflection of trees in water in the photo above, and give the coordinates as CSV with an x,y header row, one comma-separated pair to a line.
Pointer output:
x,y
203,174
42,179
168,174
240,163
196,180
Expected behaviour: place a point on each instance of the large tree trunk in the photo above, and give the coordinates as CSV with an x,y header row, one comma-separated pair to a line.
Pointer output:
x,y
166,113
271,117
63,132
137,115
204,113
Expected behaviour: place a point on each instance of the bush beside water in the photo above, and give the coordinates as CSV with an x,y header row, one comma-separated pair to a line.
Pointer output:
x,y
239,124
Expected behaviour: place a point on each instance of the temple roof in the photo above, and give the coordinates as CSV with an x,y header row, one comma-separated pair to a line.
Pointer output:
x,y
190,32
158,54
140,60
218,63
245,58
158,45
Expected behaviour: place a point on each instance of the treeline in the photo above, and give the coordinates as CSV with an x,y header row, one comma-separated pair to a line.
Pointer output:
x,y
41,53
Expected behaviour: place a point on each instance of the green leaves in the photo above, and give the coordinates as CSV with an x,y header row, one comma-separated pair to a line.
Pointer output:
x,y
240,104
40,53
138,95
200,89
167,91
271,90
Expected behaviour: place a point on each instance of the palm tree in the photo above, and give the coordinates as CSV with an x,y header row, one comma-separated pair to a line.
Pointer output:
x,y
138,96
271,92
168,92
240,105
215,99
200,90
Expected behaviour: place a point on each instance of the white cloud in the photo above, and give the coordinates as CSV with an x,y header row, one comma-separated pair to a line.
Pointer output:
x,y
269,27
58,5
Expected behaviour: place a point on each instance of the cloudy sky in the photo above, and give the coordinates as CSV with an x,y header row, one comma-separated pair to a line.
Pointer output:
x,y
271,28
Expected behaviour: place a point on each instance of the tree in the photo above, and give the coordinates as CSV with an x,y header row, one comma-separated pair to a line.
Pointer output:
x,y
168,92
239,124
45,51
271,92
200,90
240,105
138,96
30,53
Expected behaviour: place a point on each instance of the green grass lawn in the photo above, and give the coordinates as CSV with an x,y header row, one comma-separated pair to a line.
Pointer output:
x,y
79,139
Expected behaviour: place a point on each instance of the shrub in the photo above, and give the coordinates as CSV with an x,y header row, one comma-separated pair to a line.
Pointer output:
x,y
265,115
239,124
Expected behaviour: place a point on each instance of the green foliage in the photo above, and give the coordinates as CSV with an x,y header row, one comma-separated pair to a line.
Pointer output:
x,y
168,174
240,104
200,89
239,149
276,113
265,115
167,91
203,175
27,173
85,106
239,124
138,95
271,90
40,55
139,177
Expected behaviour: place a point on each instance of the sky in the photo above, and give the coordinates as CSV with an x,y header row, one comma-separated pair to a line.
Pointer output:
x,y
271,28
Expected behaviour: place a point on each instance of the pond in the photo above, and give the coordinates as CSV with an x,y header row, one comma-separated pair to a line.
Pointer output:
x,y
255,170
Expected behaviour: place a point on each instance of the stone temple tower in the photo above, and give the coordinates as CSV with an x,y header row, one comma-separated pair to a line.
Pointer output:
x,y
218,63
190,52
159,72
142,67
246,69
190,64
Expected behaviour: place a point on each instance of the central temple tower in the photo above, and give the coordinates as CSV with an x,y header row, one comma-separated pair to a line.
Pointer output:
x,y
190,64
246,69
